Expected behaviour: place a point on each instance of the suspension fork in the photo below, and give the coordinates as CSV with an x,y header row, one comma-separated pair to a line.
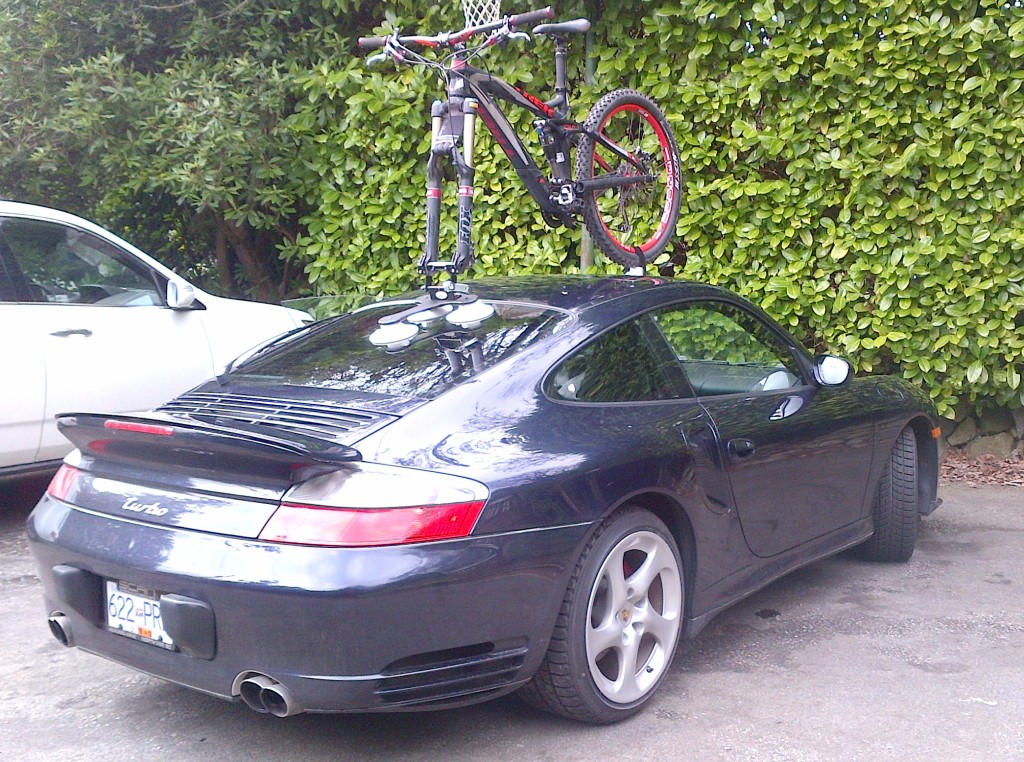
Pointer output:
x,y
452,124
434,178
466,166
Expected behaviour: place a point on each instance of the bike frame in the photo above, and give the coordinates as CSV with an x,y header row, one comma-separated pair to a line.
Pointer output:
x,y
474,93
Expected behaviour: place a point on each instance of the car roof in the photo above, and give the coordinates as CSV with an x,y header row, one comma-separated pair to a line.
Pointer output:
x,y
577,293
34,212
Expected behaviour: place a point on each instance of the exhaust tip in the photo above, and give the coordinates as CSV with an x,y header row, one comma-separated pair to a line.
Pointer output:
x,y
251,691
60,628
279,701
265,695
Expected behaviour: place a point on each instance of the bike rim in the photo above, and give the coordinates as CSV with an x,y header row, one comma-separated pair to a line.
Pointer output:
x,y
636,226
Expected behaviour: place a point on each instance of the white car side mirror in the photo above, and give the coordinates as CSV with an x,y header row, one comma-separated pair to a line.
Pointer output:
x,y
180,295
830,370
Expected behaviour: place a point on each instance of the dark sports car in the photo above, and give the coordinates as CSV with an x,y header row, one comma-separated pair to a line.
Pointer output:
x,y
425,504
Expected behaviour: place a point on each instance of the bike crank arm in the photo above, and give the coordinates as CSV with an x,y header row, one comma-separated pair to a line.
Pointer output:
x,y
617,181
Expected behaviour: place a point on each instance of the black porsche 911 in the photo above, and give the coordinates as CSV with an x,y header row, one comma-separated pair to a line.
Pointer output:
x,y
541,486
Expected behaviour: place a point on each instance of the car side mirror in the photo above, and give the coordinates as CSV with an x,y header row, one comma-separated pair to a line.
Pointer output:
x,y
830,370
180,295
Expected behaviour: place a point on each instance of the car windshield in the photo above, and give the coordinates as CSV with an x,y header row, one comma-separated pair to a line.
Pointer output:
x,y
348,354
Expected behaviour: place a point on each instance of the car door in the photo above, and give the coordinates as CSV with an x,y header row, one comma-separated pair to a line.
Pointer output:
x,y
96,317
622,397
23,380
797,455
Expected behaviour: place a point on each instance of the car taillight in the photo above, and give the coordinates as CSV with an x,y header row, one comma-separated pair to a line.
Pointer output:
x,y
366,504
341,527
63,482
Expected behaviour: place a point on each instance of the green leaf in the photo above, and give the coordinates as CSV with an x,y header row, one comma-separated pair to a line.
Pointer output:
x,y
973,83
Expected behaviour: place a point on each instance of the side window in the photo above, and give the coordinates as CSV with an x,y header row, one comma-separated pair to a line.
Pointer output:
x,y
618,366
727,350
62,265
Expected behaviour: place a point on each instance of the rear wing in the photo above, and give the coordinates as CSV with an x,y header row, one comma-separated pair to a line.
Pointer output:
x,y
194,445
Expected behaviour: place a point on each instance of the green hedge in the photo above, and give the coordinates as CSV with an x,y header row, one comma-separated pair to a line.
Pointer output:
x,y
853,167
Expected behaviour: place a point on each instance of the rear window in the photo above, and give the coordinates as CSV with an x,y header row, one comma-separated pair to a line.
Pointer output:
x,y
339,355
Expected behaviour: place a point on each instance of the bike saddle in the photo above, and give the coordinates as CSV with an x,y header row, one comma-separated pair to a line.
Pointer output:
x,y
577,26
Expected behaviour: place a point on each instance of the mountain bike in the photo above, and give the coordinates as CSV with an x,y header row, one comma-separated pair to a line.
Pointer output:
x,y
624,182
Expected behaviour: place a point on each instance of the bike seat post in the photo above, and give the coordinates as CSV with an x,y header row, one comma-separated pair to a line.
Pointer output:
x,y
561,100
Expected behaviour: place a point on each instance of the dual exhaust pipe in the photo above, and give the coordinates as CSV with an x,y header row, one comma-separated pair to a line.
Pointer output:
x,y
260,693
265,695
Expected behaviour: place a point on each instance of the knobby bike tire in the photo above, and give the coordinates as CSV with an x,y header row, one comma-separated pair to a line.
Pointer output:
x,y
637,220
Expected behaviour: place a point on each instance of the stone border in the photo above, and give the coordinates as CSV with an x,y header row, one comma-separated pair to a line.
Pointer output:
x,y
998,432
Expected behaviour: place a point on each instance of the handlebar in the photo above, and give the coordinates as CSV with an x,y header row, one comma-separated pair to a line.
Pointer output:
x,y
449,39
371,43
531,17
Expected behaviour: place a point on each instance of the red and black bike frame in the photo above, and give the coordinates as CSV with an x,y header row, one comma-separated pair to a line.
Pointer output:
x,y
473,93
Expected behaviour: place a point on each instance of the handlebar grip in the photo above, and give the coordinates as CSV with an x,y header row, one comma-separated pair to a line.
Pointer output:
x,y
530,17
370,43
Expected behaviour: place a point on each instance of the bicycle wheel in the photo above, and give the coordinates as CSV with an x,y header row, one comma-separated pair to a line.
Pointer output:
x,y
638,218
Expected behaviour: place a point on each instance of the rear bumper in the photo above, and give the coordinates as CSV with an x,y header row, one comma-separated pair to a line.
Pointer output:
x,y
367,629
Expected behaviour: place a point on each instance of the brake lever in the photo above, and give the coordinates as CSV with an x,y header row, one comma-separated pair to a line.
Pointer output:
x,y
501,37
392,49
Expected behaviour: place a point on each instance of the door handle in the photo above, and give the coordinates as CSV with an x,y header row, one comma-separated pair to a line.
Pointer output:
x,y
740,449
73,332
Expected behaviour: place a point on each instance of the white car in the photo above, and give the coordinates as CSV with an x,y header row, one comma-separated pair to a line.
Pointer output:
x,y
90,323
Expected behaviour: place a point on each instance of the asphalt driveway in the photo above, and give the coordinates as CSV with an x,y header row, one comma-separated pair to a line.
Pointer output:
x,y
843,660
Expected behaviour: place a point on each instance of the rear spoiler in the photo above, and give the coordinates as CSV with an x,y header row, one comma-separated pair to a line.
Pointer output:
x,y
190,444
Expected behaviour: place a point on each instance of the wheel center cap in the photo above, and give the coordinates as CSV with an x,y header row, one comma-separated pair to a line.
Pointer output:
x,y
624,616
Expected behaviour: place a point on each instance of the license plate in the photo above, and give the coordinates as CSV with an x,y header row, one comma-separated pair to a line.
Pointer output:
x,y
135,612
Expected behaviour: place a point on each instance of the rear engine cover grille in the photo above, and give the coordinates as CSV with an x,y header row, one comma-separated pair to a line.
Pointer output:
x,y
321,420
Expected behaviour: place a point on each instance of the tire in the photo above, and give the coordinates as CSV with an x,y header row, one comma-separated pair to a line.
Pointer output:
x,y
627,221
896,510
618,626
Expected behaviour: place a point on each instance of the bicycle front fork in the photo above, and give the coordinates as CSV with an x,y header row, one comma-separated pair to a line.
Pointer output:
x,y
451,124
